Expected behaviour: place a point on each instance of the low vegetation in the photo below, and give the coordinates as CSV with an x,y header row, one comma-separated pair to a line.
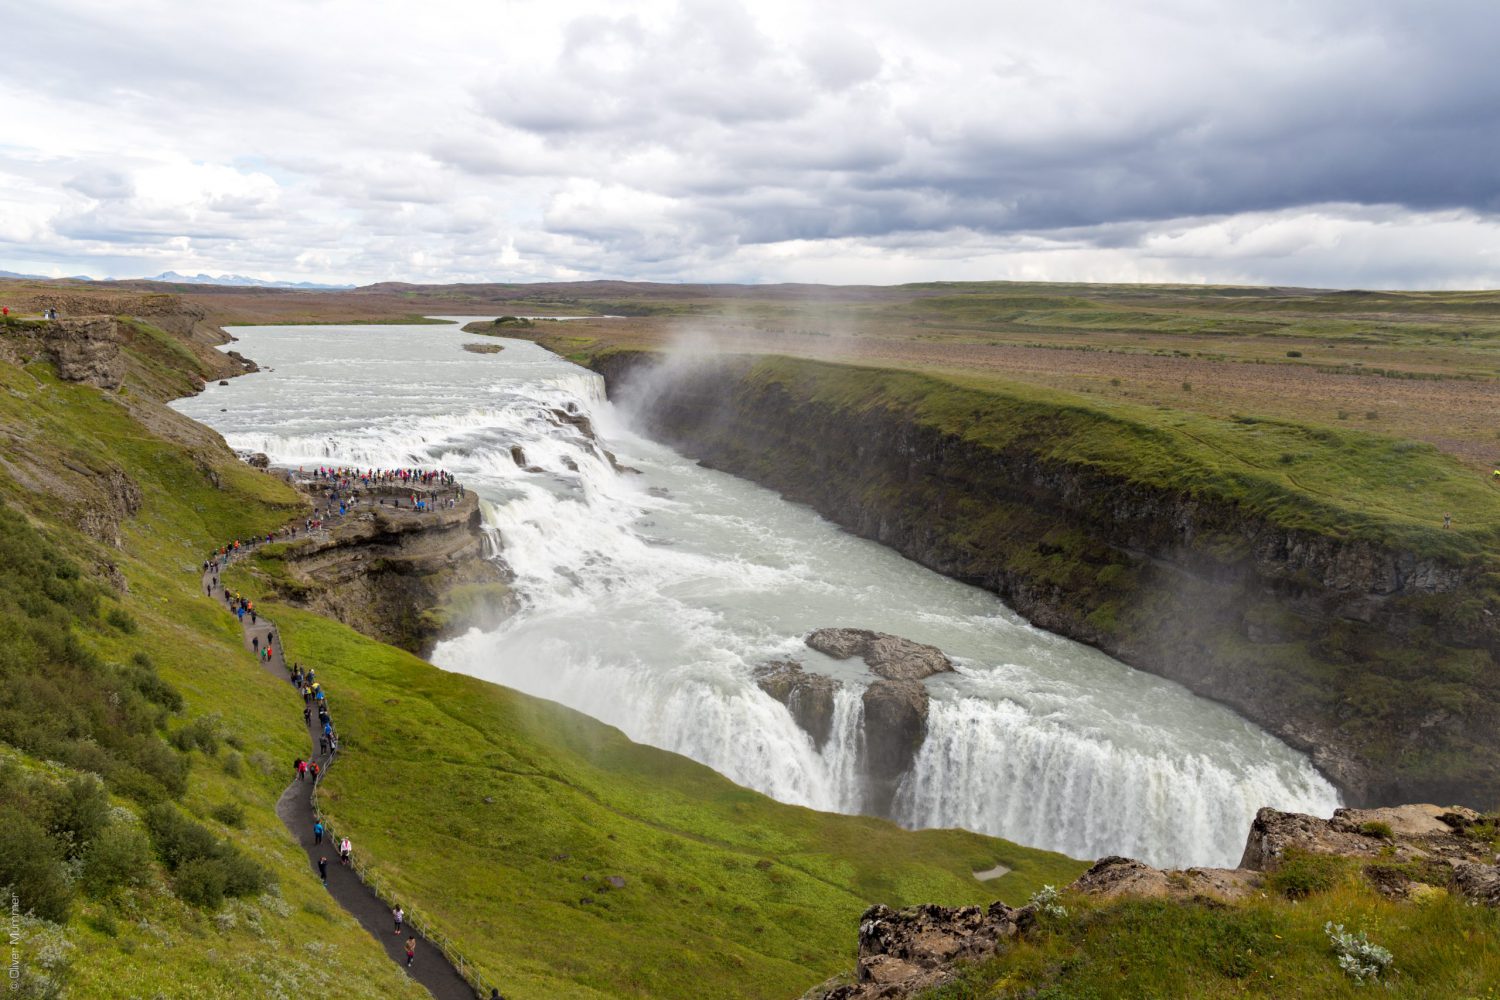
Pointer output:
x,y
1340,941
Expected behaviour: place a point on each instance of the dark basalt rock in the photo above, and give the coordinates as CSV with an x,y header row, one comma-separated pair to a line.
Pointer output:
x,y
809,697
890,656
895,726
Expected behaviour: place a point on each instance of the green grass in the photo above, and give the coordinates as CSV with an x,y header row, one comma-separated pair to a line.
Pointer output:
x,y
728,893
1202,950
69,452
1345,483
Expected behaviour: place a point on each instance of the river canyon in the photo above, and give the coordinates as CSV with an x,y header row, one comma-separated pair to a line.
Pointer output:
x,y
651,589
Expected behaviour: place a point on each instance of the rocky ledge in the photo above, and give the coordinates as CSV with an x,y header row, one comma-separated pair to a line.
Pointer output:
x,y
404,577
902,952
1403,852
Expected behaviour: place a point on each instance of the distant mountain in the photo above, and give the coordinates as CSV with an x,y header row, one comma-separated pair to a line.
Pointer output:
x,y
238,280
13,276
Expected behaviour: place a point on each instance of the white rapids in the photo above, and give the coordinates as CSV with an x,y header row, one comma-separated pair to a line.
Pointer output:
x,y
649,598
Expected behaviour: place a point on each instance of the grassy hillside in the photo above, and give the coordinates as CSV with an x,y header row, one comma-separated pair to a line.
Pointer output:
x,y
513,812
116,687
1347,482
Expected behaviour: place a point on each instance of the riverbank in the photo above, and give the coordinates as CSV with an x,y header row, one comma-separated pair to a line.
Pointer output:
x,y
1350,630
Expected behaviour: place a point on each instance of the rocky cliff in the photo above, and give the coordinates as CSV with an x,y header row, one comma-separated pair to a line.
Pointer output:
x,y
1378,662
404,577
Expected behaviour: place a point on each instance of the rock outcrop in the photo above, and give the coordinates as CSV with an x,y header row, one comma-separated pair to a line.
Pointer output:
x,y
1402,852
86,350
1116,876
809,697
890,656
400,576
1401,834
903,952
895,726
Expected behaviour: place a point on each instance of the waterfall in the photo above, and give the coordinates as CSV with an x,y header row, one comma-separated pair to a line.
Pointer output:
x,y
647,601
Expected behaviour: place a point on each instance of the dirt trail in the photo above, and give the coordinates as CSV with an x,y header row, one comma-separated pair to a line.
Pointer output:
x,y
295,807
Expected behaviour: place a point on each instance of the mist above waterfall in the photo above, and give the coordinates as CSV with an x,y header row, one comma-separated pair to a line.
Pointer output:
x,y
648,599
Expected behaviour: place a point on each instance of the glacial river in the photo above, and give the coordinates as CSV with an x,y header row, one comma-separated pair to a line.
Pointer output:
x,y
648,600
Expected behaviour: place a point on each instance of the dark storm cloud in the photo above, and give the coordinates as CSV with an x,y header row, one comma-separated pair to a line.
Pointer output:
x,y
1337,103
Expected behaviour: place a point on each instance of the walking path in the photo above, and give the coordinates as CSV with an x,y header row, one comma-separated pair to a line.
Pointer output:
x,y
297,810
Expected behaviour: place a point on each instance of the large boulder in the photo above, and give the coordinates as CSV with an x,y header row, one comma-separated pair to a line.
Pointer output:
x,y
905,952
1409,831
890,656
809,697
1404,849
895,726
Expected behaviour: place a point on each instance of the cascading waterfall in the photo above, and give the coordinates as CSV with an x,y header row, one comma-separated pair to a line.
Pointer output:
x,y
648,599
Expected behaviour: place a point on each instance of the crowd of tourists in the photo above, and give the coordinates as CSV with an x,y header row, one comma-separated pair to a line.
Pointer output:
x,y
346,488
305,679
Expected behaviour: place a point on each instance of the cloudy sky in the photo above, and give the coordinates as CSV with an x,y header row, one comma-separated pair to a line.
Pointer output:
x,y
1325,142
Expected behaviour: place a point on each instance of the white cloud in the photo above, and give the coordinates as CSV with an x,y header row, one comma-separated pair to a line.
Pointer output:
x,y
1331,143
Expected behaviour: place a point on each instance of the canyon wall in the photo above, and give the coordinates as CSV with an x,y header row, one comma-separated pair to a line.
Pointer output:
x,y
1378,662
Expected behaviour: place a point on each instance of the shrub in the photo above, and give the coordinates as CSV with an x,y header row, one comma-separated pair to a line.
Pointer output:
x,y
1372,414
31,864
1357,955
234,764
1375,828
141,675
104,923
242,876
178,839
1045,900
119,856
78,810
1302,875
201,882
1294,354
229,813
1187,387
119,618
203,733
205,867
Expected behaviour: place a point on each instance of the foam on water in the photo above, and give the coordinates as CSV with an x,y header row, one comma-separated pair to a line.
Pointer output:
x,y
649,598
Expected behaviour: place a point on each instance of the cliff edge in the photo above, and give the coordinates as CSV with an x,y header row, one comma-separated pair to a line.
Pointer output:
x,y
1369,641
